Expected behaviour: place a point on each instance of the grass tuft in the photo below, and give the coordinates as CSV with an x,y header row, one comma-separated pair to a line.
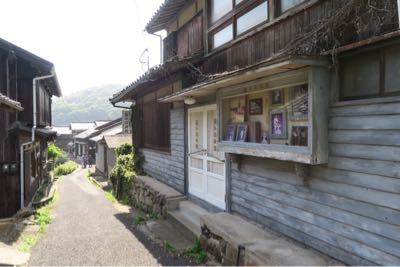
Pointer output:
x,y
197,253
110,196
170,248
42,218
139,220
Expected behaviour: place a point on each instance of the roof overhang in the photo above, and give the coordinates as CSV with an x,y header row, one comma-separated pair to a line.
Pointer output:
x,y
46,133
9,104
153,77
164,15
244,75
43,66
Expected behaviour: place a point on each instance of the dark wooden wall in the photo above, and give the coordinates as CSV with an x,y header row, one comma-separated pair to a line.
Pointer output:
x,y
20,89
154,120
185,42
286,36
190,37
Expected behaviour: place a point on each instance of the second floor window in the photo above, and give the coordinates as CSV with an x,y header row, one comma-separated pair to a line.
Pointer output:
x,y
288,4
219,8
230,18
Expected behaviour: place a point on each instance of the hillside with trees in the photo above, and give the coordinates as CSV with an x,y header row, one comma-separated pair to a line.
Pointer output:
x,y
87,105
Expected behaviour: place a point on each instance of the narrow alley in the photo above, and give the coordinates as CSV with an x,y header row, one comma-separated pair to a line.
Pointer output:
x,y
88,230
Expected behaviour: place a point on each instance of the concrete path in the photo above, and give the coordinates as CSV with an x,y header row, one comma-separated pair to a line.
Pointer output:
x,y
88,230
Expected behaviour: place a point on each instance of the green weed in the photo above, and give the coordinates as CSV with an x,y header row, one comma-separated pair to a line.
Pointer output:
x,y
110,196
139,220
170,248
197,253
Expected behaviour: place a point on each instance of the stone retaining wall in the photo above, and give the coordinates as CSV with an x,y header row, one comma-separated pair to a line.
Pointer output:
x,y
148,199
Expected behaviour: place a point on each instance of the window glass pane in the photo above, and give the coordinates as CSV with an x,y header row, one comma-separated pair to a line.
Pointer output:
x,y
360,75
223,36
252,18
287,4
392,69
196,132
238,2
219,8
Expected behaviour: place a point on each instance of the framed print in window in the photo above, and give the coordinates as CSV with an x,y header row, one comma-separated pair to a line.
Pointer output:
x,y
230,132
242,132
299,136
278,124
256,106
277,97
298,104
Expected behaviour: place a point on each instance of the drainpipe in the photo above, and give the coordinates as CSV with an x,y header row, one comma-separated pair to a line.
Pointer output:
x,y
398,11
34,88
161,45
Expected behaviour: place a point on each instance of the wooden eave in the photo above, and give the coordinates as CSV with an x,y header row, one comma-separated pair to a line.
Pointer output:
x,y
9,104
152,77
167,11
43,66
244,75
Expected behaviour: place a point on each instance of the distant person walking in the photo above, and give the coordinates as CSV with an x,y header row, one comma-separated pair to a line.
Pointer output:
x,y
90,158
85,161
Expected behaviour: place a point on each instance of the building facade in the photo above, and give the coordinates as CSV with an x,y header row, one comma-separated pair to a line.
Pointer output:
x,y
28,82
285,112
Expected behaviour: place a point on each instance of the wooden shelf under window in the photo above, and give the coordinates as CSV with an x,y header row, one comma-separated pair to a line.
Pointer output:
x,y
279,152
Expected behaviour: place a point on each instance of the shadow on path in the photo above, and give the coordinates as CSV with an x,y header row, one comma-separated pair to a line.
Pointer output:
x,y
159,252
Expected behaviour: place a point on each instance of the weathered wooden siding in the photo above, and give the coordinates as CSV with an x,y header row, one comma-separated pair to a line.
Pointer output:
x,y
100,158
284,35
190,37
351,206
169,167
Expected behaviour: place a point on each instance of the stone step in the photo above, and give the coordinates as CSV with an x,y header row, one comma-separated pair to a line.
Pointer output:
x,y
173,202
257,246
189,215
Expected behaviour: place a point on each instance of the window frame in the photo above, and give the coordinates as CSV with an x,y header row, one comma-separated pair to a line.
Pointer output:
x,y
231,18
381,51
278,7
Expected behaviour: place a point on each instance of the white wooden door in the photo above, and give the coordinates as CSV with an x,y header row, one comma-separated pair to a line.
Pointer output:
x,y
206,164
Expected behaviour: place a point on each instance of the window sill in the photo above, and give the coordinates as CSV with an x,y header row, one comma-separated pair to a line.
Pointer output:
x,y
367,101
280,152
159,151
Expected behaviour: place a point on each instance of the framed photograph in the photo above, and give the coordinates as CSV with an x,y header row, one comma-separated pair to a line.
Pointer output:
x,y
298,105
256,106
299,136
238,109
230,132
277,97
265,138
242,132
278,125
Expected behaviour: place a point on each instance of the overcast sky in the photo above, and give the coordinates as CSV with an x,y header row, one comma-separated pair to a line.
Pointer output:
x,y
91,42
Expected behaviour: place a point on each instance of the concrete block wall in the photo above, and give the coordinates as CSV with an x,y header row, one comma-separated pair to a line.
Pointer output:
x,y
169,168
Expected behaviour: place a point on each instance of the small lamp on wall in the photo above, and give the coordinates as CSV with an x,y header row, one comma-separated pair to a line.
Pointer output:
x,y
189,100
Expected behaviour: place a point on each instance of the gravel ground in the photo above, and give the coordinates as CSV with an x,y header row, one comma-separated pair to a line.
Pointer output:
x,y
88,230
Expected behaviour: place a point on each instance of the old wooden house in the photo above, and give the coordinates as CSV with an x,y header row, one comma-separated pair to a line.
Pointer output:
x,y
28,82
285,112
87,146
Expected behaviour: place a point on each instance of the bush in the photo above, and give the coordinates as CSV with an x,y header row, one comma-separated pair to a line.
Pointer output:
x,y
54,151
124,149
65,169
123,173
63,158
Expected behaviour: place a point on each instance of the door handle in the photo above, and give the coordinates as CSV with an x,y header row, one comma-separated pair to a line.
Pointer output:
x,y
197,152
